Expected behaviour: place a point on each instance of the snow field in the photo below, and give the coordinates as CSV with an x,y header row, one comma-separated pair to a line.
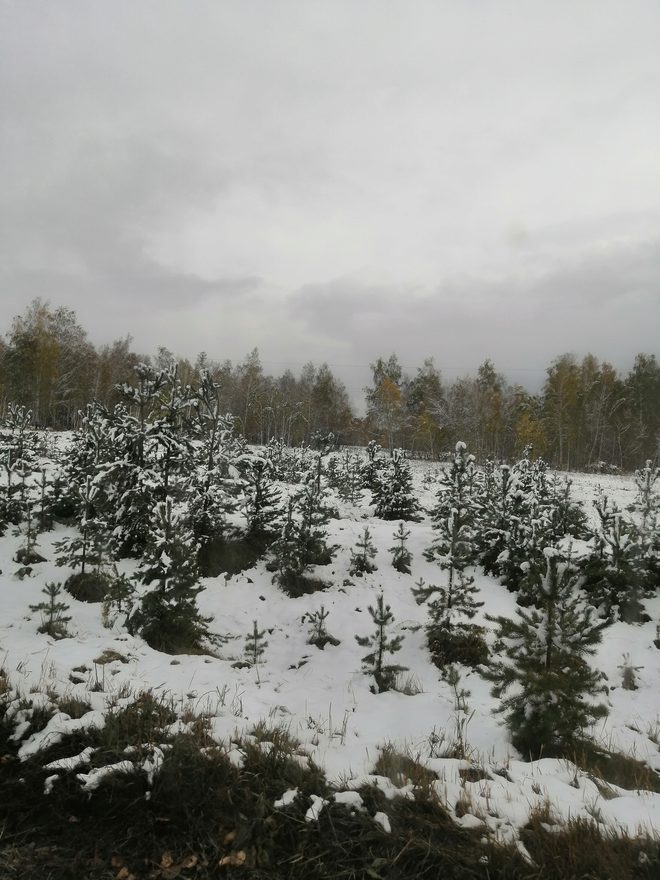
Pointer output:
x,y
323,699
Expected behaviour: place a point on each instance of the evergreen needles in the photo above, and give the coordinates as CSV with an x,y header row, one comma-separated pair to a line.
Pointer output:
x,y
542,675
53,619
375,662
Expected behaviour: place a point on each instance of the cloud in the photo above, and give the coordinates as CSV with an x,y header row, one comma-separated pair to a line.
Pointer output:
x,y
605,301
335,181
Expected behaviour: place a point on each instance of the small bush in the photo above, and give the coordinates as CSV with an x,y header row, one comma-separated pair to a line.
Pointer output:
x,y
401,769
74,707
92,586
580,850
140,722
462,644
296,585
221,555
614,767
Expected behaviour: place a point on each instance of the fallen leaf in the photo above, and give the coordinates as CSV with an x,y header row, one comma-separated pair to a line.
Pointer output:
x,y
189,861
166,860
235,859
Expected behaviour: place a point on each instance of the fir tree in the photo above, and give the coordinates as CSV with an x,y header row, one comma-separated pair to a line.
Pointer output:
x,y
53,619
509,517
287,551
454,513
401,555
315,514
18,456
332,476
88,549
19,439
541,674
167,616
452,605
453,546
262,506
275,455
614,576
646,507
208,505
318,634
349,481
520,510
393,494
373,466
362,555
450,635
302,542
27,555
118,598
374,663
564,517
143,461
45,518
255,645
214,485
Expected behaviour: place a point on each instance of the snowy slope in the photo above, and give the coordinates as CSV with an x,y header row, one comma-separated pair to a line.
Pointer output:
x,y
323,698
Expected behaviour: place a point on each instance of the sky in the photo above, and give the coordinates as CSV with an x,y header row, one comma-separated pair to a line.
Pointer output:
x,y
335,181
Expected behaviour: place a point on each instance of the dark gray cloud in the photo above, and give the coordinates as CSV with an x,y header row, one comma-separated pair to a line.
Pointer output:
x,y
336,180
606,302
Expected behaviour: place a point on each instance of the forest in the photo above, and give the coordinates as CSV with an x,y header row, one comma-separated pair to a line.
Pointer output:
x,y
587,415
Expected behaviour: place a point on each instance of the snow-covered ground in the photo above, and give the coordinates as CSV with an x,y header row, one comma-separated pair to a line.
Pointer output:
x,y
323,698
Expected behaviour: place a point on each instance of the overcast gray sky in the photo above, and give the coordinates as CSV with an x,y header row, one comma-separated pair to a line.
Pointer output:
x,y
337,180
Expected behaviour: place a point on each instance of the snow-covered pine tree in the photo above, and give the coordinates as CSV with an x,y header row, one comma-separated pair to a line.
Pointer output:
x,y
276,453
263,499
541,673
362,555
88,550
315,513
450,635
213,485
457,599
647,499
375,662
287,554
372,467
90,449
498,523
520,511
44,515
456,490
332,476
393,495
646,507
454,520
563,516
27,555
169,447
18,457
350,479
53,619
401,555
167,616
255,646
147,451
319,635
118,598
614,570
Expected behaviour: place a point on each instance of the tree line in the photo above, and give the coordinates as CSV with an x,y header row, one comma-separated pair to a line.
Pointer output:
x,y
587,414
